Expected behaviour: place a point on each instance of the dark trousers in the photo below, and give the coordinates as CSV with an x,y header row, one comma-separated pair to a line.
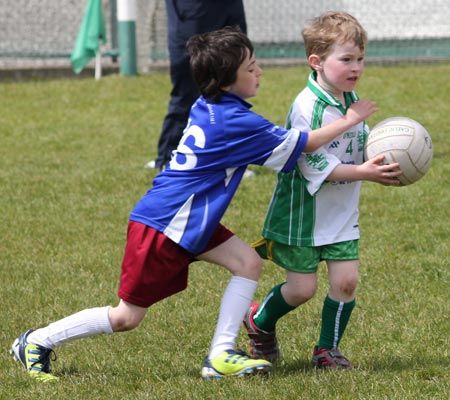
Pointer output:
x,y
185,19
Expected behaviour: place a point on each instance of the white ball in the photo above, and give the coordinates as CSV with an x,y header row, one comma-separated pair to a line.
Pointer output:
x,y
405,141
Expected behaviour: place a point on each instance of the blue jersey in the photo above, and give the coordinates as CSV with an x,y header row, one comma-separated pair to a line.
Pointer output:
x,y
189,198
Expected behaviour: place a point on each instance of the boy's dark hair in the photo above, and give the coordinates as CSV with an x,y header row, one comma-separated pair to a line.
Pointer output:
x,y
215,58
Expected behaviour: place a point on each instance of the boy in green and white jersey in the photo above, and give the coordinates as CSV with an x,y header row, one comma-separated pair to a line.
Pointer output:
x,y
313,213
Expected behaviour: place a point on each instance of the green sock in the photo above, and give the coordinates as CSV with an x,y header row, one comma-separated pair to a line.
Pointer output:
x,y
271,309
335,317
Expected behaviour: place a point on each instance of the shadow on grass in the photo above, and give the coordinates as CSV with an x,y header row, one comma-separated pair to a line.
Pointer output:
x,y
67,371
430,364
404,364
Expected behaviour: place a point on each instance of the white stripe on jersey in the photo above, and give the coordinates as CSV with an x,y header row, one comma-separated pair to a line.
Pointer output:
x,y
277,159
177,226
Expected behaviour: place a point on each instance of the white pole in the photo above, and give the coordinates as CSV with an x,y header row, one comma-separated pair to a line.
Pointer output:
x,y
98,65
126,16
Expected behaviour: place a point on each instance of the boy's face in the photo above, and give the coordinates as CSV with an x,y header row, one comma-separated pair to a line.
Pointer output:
x,y
341,70
247,81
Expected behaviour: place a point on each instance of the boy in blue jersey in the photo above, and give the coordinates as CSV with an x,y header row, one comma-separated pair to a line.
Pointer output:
x,y
313,213
178,221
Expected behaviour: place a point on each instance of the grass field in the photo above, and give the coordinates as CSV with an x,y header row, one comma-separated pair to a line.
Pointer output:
x,y
72,155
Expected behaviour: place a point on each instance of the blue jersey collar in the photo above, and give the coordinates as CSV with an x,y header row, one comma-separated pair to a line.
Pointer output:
x,y
231,97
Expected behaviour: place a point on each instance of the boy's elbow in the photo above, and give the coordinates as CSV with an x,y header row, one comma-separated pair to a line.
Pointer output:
x,y
311,146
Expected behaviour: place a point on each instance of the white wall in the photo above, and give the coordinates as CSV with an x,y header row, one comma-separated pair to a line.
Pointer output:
x,y
282,20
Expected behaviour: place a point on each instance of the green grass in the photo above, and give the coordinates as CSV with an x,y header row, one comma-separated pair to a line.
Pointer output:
x,y
72,156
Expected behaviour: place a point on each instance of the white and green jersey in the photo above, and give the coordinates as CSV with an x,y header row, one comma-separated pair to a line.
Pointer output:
x,y
306,209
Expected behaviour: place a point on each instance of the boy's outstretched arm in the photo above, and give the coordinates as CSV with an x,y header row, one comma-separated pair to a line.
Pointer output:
x,y
356,113
373,170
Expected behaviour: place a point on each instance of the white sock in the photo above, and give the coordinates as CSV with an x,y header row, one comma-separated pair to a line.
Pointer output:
x,y
90,322
235,302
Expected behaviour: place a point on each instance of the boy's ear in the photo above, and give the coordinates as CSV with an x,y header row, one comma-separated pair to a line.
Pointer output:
x,y
314,62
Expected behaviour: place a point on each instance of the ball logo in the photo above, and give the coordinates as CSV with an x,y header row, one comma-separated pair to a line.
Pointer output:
x,y
388,130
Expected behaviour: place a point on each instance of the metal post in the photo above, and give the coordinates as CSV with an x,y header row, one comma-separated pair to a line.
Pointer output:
x,y
114,32
126,16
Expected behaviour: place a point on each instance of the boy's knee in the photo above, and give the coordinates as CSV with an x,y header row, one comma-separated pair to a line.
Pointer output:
x,y
308,292
348,285
123,320
123,324
252,266
299,294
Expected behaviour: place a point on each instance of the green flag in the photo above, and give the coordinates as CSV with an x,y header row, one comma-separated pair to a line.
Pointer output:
x,y
92,30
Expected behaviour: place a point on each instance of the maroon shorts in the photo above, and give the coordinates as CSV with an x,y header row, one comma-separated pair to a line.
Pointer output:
x,y
154,267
